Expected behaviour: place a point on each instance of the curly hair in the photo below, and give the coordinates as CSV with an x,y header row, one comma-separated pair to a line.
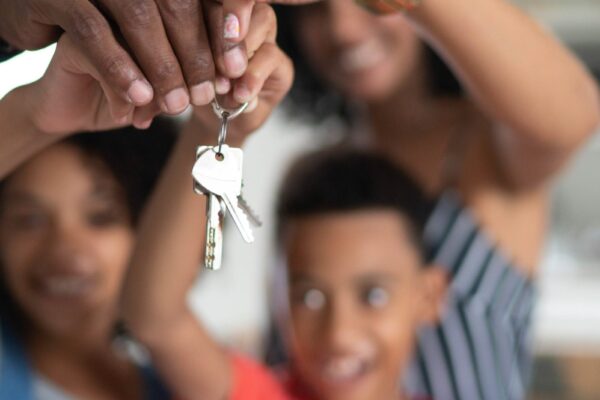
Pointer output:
x,y
344,179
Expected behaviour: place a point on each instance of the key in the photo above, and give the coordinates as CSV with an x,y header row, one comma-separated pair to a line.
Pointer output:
x,y
213,248
221,174
252,215
213,253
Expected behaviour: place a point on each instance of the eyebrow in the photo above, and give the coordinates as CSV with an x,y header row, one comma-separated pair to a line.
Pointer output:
x,y
376,277
19,198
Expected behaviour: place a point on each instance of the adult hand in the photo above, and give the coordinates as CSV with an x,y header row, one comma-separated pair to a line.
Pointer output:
x,y
69,98
165,54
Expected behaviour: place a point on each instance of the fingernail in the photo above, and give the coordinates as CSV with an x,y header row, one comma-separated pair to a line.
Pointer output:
x,y
241,94
231,27
176,101
202,93
144,124
235,62
222,85
140,92
251,106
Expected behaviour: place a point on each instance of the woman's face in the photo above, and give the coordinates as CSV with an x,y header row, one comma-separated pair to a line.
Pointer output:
x,y
65,239
356,300
365,56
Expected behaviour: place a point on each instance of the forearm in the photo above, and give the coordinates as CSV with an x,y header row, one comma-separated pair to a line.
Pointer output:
x,y
520,75
164,267
169,244
20,138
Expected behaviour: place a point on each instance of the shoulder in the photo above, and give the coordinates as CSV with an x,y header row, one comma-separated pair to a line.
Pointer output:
x,y
254,381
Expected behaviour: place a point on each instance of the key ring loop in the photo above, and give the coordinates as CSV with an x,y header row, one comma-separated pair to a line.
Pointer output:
x,y
225,115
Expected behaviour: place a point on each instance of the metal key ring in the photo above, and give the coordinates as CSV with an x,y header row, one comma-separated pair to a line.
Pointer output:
x,y
225,115
225,112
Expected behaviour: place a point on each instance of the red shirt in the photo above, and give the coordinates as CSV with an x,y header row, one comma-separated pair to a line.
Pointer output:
x,y
253,381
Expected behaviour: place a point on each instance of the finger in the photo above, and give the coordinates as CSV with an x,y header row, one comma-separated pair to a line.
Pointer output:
x,y
269,65
222,85
236,19
141,25
143,116
75,62
189,38
230,58
91,34
263,28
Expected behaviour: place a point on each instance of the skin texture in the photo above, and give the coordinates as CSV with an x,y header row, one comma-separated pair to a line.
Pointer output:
x,y
530,103
165,266
65,240
357,283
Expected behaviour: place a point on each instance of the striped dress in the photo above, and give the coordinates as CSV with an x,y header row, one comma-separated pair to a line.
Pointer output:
x,y
481,348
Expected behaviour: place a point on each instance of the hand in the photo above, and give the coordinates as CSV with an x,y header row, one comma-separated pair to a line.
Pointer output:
x,y
239,13
69,98
167,38
265,83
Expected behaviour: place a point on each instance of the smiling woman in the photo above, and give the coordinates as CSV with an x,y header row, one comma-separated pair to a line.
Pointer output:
x,y
67,228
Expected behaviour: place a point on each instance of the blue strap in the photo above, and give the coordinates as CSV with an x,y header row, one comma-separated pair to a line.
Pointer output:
x,y
15,373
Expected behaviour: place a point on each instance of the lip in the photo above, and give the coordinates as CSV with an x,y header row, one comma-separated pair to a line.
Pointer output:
x,y
344,373
64,287
361,57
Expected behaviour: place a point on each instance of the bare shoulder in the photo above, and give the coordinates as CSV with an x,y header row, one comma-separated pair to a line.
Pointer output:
x,y
514,217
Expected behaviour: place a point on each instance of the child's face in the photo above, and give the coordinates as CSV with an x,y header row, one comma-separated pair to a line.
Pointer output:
x,y
65,239
357,295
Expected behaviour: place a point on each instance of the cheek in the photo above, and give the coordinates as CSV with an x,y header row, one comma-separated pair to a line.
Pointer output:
x,y
113,248
395,329
17,254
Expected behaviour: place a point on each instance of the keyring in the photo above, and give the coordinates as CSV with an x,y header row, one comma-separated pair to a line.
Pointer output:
x,y
225,115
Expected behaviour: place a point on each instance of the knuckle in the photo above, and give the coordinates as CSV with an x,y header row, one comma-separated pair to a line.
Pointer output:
x,y
137,13
115,66
201,61
265,14
166,70
88,27
180,9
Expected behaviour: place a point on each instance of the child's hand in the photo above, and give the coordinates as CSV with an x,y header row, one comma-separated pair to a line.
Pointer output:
x,y
264,84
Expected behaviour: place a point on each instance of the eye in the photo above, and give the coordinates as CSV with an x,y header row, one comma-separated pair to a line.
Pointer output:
x,y
376,297
28,221
104,218
313,299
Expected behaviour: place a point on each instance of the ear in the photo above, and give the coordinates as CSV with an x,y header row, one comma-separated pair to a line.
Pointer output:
x,y
435,285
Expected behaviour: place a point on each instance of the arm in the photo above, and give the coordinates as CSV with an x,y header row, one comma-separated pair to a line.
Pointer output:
x,y
170,241
545,103
20,138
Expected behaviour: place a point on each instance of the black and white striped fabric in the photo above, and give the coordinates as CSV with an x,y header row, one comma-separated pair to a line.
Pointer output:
x,y
481,348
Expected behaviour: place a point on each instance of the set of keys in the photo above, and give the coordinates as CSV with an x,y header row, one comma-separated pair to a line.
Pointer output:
x,y
217,174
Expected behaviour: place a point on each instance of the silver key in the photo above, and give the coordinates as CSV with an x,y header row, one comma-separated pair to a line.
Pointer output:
x,y
213,248
213,253
221,174
252,215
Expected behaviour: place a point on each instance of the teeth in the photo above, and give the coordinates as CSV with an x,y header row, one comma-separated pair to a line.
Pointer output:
x,y
360,57
65,286
343,368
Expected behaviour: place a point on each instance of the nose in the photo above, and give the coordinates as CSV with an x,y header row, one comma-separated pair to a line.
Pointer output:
x,y
65,248
348,22
342,327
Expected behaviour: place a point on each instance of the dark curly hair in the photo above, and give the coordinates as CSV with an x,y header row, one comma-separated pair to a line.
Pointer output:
x,y
134,158
314,99
344,179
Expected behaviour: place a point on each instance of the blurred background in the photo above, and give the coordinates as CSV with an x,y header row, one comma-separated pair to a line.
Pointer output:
x,y
234,301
